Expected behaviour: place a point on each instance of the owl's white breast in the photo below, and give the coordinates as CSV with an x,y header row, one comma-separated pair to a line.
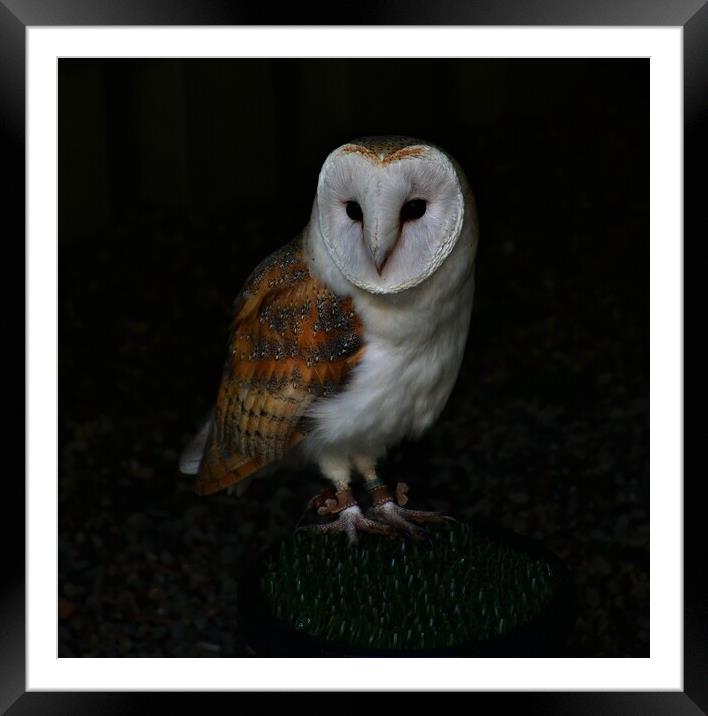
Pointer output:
x,y
414,342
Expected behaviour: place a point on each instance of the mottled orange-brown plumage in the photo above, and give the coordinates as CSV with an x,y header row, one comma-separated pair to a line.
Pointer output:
x,y
292,341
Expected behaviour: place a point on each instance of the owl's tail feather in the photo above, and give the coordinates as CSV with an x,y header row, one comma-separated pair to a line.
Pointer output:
x,y
218,471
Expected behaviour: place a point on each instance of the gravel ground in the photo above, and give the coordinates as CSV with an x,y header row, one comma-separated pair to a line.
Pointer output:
x,y
546,433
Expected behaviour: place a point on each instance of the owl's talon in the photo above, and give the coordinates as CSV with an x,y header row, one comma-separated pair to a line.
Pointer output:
x,y
390,513
422,518
402,494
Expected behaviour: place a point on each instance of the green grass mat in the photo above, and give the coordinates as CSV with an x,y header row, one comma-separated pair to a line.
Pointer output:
x,y
458,588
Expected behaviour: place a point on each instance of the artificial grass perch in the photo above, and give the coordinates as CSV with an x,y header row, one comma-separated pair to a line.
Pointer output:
x,y
460,587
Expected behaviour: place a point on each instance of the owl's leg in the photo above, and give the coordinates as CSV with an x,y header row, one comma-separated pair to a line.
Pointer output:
x,y
348,518
387,510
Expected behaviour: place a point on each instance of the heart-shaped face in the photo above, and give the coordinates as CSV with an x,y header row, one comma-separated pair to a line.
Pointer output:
x,y
389,211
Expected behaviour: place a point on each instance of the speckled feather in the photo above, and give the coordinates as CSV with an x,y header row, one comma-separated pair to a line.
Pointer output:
x,y
292,342
385,149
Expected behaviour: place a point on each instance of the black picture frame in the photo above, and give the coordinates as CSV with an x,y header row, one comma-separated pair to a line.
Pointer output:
x,y
17,15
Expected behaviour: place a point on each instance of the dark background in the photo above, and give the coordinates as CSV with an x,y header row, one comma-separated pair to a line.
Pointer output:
x,y
177,176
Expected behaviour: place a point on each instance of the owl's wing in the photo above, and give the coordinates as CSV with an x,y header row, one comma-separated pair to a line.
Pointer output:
x,y
292,342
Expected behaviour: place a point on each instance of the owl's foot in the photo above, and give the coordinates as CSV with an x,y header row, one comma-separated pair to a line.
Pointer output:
x,y
392,513
349,518
351,521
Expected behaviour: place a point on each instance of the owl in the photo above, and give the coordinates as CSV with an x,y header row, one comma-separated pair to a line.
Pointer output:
x,y
349,338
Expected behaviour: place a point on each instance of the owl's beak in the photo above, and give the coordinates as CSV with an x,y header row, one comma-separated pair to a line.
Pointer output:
x,y
381,246
380,259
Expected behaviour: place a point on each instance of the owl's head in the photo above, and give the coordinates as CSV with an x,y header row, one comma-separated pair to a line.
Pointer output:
x,y
390,211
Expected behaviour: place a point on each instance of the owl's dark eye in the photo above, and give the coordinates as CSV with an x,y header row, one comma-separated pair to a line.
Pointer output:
x,y
413,209
354,211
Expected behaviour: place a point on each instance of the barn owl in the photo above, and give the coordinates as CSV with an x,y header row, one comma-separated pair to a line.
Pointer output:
x,y
350,338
